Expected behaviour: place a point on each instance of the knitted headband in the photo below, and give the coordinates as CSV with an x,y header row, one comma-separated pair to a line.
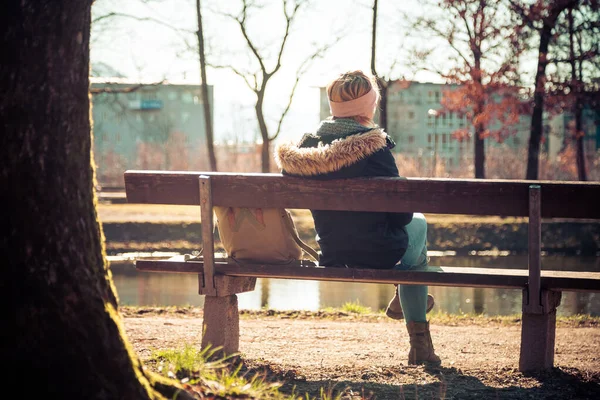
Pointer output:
x,y
363,105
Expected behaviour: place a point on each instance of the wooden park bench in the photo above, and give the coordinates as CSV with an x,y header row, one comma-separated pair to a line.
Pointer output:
x,y
220,279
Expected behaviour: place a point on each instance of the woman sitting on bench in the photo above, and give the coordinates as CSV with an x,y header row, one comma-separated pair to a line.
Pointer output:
x,y
350,145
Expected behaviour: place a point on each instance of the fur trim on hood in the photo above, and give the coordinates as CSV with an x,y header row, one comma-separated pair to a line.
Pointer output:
x,y
326,158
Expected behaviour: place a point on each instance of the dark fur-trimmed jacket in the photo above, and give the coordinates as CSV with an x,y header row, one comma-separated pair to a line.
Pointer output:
x,y
345,149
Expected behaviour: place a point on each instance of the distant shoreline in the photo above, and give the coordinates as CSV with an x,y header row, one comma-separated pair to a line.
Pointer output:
x,y
463,238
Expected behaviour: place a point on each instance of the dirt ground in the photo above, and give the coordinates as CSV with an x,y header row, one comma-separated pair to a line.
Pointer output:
x,y
365,356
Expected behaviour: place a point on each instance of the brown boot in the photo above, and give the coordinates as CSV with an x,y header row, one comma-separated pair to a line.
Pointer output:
x,y
394,309
421,346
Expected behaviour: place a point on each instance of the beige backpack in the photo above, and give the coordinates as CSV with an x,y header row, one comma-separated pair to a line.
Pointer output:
x,y
260,235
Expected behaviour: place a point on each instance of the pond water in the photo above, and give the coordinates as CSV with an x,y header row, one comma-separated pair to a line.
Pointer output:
x,y
164,289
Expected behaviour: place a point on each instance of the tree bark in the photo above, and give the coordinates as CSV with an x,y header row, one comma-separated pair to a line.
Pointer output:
x,y
204,89
65,336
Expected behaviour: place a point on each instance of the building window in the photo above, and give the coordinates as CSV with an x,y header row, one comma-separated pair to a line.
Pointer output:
x,y
411,139
149,95
187,97
411,115
429,138
517,141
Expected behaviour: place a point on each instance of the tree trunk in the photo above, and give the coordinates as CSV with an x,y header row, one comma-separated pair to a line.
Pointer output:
x,y
63,334
576,89
479,154
383,89
374,38
479,140
581,170
204,89
264,133
381,83
537,122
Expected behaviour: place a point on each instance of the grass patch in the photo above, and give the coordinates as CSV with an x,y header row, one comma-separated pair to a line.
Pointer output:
x,y
572,321
349,307
355,309
222,377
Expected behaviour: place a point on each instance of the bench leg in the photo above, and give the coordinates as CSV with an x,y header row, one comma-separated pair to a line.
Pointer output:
x,y
538,331
221,324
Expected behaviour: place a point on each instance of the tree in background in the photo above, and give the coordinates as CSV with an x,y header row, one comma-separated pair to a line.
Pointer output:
x,y
66,334
573,84
381,81
485,50
539,17
204,91
384,80
258,80
201,51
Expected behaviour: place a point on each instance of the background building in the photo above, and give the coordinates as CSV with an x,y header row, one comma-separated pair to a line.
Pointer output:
x,y
421,134
147,126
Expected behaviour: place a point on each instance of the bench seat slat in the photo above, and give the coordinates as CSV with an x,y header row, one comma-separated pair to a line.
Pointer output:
x,y
436,276
445,196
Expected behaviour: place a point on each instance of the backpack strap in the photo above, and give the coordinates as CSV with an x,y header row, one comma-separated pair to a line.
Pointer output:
x,y
307,249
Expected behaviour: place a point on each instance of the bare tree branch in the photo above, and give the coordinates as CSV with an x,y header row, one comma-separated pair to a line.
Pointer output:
x,y
449,36
289,18
142,19
242,23
254,87
299,73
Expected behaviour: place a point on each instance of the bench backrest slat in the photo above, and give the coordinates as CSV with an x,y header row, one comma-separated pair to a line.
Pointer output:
x,y
444,196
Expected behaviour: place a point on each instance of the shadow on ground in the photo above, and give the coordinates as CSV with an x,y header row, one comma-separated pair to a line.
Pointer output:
x,y
433,383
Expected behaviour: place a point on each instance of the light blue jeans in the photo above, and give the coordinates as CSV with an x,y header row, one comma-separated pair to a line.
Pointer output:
x,y
413,298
